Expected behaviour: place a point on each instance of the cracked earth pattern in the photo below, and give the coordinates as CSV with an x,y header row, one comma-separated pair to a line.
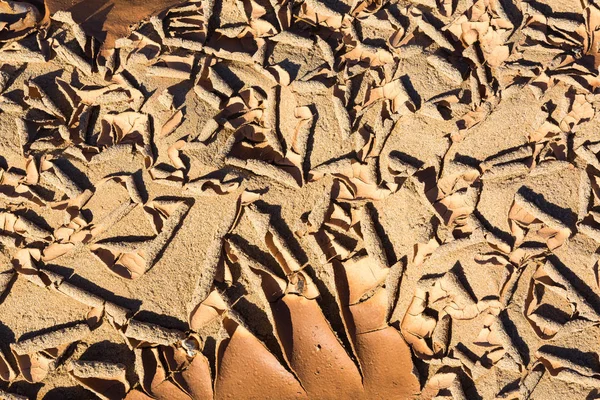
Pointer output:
x,y
316,199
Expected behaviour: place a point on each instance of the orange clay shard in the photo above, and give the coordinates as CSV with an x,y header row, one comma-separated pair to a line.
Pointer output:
x,y
109,21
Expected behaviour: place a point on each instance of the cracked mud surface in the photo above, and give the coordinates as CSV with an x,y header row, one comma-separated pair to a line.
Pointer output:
x,y
299,199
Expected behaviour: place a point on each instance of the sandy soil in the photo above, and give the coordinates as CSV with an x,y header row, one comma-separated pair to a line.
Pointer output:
x,y
250,199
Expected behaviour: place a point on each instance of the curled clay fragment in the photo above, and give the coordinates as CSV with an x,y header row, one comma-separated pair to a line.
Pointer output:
x,y
7,372
275,242
494,335
152,333
38,355
455,175
52,173
505,171
550,167
326,51
164,177
477,26
271,118
65,53
363,274
132,259
213,261
128,182
457,208
418,327
41,277
116,314
127,127
66,18
435,34
172,123
585,195
394,91
50,340
106,380
18,19
209,309
301,283
174,152
196,379
219,84
550,277
307,87
441,381
80,295
441,335
525,212
527,384
355,179
21,226
587,155
321,14
330,243
78,230
187,25
371,55
210,186
567,370
174,67
538,213
400,166
154,377
140,49
211,127
37,98
273,286
257,148
23,56
520,153
25,261
23,134
113,24
448,291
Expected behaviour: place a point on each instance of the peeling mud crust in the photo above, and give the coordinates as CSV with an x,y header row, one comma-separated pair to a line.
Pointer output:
x,y
299,199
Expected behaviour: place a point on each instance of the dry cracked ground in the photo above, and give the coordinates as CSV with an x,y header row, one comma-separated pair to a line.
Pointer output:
x,y
318,199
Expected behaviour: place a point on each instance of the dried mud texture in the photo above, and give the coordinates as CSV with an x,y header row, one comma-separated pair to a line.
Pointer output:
x,y
299,199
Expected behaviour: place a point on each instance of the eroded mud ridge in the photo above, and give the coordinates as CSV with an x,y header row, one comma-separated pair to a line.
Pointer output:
x,y
318,199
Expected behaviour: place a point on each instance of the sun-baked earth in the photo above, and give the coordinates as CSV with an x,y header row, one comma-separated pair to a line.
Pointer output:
x,y
299,199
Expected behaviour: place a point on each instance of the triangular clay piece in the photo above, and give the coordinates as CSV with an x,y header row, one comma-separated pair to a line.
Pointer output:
x,y
246,369
313,350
